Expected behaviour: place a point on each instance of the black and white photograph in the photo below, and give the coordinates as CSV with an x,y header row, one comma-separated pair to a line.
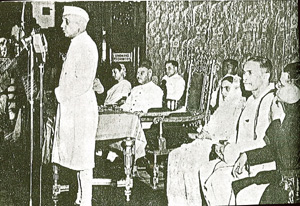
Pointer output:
x,y
149,102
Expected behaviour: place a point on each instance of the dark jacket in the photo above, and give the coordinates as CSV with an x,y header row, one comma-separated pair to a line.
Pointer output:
x,y
284,145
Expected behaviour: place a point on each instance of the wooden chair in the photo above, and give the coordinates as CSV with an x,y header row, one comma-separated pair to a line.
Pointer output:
x,y
162,151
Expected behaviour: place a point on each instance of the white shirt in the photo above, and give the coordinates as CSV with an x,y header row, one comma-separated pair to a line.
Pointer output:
x,y
175,86
247,119
116,92
246,136
144,97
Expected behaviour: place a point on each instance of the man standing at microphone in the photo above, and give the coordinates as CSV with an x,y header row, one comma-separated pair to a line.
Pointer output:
x,y
77,114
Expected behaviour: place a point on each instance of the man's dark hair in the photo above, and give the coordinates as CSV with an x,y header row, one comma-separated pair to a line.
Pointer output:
x,y
264,63
146,63
293,70
173,62
233,62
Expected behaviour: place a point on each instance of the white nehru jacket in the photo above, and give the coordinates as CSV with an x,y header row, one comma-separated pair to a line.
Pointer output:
x,y
144,97
76,11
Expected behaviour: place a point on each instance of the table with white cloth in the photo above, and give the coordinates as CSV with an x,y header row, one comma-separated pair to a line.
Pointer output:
x,y
115,125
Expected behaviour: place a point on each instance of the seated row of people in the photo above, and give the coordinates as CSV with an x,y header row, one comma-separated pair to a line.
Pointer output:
x,y
207,166
147,94
185,162
251,126
142,97
172,85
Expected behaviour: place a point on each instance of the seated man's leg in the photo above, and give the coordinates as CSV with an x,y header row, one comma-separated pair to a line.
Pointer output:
x,y
217,189
263,174
251,194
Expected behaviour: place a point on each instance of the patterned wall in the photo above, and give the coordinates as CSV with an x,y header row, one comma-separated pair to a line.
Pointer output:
x,y
199,34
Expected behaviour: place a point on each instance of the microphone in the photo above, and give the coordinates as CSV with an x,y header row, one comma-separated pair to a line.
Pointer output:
x,y
40,43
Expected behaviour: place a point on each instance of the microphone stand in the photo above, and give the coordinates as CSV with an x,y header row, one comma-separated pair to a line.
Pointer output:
x,y
33,47
41,67
31,55
30,70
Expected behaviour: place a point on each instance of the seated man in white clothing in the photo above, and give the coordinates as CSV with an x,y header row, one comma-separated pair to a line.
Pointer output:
x,y
284,147
146,95
174,84
251,128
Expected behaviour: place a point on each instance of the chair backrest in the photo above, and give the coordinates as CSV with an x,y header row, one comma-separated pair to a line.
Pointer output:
x,y
198,90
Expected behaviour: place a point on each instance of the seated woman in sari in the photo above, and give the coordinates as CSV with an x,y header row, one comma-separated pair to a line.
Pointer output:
x,y
229,67
118,93
184,163
283,147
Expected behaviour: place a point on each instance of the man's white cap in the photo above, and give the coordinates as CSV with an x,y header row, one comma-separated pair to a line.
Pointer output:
x,y
76,11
